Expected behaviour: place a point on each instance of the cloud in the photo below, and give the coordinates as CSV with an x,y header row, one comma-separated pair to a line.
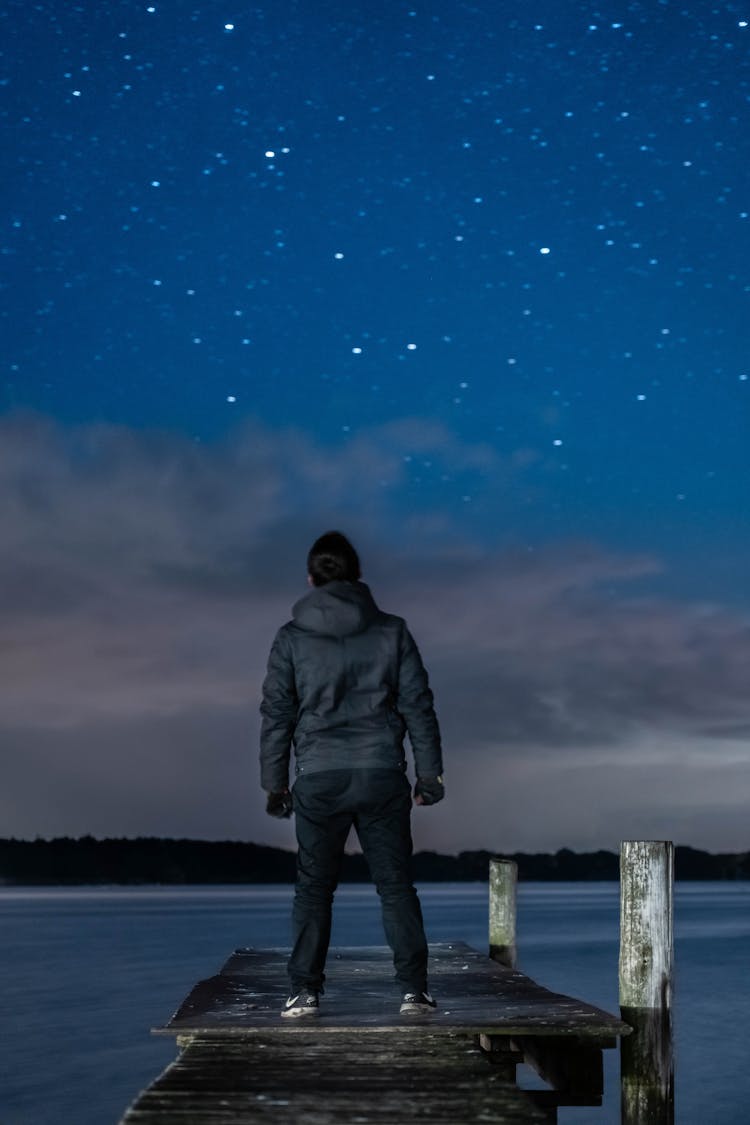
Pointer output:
x,y
143,577
142,571
653,786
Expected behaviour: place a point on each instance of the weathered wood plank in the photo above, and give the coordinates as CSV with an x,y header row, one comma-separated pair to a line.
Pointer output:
x,y
474,994
435,1077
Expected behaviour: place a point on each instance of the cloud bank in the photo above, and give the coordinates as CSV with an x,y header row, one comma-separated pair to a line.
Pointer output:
x,y
143,577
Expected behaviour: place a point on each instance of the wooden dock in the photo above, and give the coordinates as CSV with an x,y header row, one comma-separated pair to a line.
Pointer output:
x,y
361,1061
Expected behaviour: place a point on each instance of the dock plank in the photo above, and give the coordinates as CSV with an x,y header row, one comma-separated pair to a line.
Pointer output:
x,y
475,996
436,1077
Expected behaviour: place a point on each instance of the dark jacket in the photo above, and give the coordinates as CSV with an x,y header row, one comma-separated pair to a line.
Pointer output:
x,y
345,683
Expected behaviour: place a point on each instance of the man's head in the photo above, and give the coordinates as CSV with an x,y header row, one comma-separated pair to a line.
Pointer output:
x,y
332,559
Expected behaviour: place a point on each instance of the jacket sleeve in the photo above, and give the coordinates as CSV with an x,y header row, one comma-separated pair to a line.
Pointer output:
x,y
279,710
415,704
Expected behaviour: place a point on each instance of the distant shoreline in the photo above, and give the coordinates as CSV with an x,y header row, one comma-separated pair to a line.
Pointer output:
x,y
154,860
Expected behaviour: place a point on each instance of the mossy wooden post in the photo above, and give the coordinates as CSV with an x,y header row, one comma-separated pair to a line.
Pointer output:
x,y
646,957
503,882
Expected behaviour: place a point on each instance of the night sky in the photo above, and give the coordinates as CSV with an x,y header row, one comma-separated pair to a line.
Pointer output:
x,y
468,282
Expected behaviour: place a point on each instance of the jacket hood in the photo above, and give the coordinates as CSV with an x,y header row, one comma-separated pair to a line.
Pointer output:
x,y
337,609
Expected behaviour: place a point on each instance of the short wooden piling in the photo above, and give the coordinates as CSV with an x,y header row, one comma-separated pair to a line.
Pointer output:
x,y
503,885
646,962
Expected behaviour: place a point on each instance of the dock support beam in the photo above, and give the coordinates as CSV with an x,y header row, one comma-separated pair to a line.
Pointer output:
x,y
646,960
503,883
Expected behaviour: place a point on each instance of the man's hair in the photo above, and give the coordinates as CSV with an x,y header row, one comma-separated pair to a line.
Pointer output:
x,y
333,559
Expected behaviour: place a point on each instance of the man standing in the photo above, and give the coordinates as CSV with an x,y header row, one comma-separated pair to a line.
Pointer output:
x,y
345,683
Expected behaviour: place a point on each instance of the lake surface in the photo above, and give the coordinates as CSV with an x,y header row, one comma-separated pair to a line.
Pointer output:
x,y
86,972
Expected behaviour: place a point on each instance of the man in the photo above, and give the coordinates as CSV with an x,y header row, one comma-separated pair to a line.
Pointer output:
x,y
345,683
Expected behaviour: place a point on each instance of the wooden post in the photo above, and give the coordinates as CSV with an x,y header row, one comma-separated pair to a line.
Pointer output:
x,y
503,882
646,957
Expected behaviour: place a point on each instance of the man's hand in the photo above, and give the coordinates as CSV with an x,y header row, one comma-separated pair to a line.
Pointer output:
x,y
279,804
428,790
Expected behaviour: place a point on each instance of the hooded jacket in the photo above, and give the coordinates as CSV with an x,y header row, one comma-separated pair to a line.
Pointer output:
x,y
345,684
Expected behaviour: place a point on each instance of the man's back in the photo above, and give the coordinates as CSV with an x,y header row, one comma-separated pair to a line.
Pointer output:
x,y
351,679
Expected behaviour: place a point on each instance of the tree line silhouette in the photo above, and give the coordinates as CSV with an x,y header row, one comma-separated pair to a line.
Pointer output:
x,y
146,860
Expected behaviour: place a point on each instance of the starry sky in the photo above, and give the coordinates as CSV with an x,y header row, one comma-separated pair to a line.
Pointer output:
x,y
467,281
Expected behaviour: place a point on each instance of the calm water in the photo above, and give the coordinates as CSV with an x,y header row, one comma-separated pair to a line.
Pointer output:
x,y
87,972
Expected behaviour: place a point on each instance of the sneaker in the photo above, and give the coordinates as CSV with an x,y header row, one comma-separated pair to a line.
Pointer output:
x,y
303,1004
417,1004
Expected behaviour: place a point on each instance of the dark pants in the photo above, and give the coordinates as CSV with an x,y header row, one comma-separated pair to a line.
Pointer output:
x,y
378,804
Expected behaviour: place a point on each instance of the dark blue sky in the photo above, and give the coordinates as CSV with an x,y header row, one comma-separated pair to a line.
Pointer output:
x,y
469,280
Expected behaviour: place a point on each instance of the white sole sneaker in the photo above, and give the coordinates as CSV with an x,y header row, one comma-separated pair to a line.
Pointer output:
x,y
418,1004
302,1006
